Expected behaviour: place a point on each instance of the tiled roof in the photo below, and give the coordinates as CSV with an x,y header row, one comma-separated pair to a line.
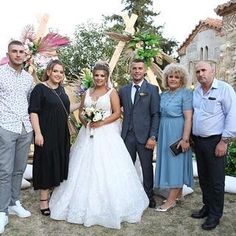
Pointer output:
x,y
210,23
226,7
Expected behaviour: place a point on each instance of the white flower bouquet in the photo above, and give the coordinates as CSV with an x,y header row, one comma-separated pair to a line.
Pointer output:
x,y
92,114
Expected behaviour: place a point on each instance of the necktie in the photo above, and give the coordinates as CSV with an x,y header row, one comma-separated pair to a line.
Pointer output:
x,y
136,93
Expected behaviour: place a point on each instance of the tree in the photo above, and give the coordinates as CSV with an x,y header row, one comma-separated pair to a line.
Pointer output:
x,y
89,45
142,8
145,22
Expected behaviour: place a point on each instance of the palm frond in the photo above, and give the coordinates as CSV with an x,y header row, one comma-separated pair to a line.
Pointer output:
x,y
51,42
119,37
167,58
157,71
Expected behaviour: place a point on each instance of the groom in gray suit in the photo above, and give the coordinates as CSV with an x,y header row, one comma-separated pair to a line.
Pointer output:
x,y
140,101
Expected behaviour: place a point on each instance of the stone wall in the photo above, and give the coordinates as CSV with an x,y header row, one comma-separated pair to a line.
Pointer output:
x,y
227,62
204,46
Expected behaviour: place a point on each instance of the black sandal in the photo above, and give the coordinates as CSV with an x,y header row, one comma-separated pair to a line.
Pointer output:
x,y
46,211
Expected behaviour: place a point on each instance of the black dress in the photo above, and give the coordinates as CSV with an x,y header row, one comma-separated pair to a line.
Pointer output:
x,y
50,162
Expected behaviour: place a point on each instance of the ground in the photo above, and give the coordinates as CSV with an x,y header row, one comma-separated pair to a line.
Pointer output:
x,y
176,222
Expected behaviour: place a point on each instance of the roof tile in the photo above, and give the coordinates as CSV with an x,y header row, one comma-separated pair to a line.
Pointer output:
x,y
209,22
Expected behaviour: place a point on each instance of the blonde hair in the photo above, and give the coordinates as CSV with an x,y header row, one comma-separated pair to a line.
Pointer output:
x,y
175,68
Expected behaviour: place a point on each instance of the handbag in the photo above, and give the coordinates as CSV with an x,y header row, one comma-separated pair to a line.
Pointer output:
x,y
173,147
73,129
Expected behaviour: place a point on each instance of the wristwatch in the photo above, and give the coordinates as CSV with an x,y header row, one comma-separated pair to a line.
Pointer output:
x,y
153,138
226,140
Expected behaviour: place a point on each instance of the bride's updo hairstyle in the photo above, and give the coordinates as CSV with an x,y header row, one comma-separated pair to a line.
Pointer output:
x,y
102,65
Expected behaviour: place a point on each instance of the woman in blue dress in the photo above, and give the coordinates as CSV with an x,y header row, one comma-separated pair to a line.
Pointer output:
x,y
173,171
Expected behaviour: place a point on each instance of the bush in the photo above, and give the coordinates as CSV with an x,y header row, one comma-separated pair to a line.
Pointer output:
x,y
230,167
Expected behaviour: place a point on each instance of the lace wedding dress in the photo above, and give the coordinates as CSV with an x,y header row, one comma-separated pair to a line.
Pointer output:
x,y
103,187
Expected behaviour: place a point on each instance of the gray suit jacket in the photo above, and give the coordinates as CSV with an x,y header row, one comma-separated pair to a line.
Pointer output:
x,y
145,112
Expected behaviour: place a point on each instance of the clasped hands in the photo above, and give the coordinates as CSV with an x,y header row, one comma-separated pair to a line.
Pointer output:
x,y
96,124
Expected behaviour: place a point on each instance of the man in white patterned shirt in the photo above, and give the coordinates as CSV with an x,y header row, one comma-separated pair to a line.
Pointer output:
x,y
15,131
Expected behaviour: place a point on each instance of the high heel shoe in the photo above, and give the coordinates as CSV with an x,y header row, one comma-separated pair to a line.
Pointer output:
x,y
45,211
178,200
161,209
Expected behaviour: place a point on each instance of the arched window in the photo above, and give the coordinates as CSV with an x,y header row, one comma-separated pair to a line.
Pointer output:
x,y
206,53
201,54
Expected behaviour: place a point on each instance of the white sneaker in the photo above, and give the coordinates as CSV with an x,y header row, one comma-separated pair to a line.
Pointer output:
x,y
3,221
18,210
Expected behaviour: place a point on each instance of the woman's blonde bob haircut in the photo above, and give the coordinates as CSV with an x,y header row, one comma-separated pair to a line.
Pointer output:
x,y
175,68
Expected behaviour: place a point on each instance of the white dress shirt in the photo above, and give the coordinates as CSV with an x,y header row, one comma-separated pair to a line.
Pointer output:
x,y
133,90
15,89
215,111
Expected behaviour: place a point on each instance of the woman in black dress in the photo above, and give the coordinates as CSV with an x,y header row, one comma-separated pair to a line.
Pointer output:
x,y
49,108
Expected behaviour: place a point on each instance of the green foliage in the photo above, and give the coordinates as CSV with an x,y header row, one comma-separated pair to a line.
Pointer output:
x,y
142,8
87,79
145,46
89,45
230,168
85,82
144,23
90,42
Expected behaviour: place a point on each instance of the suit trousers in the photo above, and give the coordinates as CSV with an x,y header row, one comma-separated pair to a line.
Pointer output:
x,y
146,158
211,173
14,150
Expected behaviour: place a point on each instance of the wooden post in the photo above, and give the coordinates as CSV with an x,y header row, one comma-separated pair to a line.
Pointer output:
x,y
129,22
152,78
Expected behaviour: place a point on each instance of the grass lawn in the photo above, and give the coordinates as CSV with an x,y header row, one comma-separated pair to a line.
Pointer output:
x,y
175,222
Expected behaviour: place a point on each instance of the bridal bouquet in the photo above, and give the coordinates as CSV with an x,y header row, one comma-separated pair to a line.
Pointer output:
x,y
92,114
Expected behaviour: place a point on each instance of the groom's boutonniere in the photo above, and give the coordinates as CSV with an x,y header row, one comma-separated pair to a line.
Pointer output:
x,y
143,94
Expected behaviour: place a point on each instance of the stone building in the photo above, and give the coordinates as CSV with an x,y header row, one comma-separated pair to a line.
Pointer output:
x,y
213,40
227,62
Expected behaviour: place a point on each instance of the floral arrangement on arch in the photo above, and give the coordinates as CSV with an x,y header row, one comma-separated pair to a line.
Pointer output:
x,y
41,49
145,46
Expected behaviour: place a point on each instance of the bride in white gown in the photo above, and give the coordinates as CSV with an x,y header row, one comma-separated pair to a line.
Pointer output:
x,y
103,187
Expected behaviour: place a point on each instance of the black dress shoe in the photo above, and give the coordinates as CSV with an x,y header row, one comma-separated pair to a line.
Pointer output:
x,y
201,213
152,203
210,223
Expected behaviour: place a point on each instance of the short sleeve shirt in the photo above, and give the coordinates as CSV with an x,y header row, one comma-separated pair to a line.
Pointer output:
x,y
15,88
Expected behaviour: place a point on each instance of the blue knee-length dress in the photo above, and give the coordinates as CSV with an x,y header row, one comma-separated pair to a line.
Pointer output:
x,y
173,171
